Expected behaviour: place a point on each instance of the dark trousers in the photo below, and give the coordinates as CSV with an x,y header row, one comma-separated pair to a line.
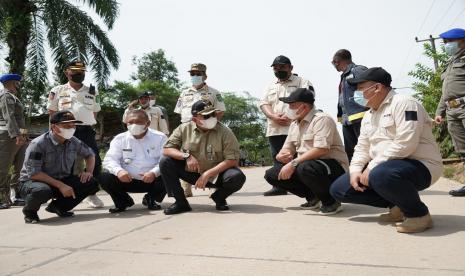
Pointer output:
x,y
276,144
36,193
87,135
351,133
228,182
392,183
119,190
311,179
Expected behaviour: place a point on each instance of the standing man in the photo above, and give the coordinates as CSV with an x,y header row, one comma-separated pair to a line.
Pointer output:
x,y
132,164
48,167
81,101
199,152
155,114
275,110
12,138
452,101
313,137
396,155
198,91
349,113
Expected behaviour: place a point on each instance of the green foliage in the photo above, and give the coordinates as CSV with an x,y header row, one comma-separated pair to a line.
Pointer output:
x,y
428,89
248,124
154,66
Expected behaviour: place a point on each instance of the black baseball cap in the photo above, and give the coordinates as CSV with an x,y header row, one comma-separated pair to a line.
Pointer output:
x,y
281,60
299,95
63,116
203,108
376,74
145,94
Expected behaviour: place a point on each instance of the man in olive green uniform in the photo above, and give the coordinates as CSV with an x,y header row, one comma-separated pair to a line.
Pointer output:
x,y
452,101
199,152
12,137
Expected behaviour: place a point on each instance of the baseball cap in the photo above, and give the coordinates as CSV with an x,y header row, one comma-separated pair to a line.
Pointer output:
x,y
281,60
376,74
203,108
63,116
299,95
198,67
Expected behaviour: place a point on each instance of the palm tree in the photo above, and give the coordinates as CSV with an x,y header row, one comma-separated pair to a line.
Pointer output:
x,y
27,26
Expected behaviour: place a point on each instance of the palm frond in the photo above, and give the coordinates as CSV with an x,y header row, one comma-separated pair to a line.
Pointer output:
x,y
36,61
107,9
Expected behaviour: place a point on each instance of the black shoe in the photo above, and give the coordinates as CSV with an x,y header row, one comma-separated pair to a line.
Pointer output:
x,y
221,204
458,192
122,208
54,209
275,191
18,202
177,208
4,206
31,217
150,203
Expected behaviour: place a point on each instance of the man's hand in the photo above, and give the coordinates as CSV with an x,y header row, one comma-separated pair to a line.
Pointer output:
x,y
364,178
148,177
67,191
20,140
438,119
281,119
85,177
286,172
124,176
284,156
355,182
203,180
192,164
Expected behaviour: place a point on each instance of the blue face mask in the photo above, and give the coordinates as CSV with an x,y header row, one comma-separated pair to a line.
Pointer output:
x,y
451,48
359,99
196,80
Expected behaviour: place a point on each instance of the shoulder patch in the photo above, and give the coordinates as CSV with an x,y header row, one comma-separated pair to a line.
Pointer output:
x,y
411,116
36,155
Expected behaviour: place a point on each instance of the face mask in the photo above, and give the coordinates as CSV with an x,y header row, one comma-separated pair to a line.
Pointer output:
x,y
292,113
209,123
358,96
196,80
281,74
451,48
152,102
136,129
145,105
79,78
66,133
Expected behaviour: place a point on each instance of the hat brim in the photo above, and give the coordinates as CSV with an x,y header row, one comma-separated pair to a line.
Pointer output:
x,y
355,81
287,100
207,112
279,63
69,121
76,68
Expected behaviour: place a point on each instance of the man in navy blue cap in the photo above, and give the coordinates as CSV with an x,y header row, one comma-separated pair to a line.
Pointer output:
x,y
12,139
452,101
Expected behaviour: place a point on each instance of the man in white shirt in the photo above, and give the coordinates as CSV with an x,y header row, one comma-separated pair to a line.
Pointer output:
x,y
131,164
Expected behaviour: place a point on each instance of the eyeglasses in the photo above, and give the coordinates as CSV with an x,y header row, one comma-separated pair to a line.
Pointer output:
x,y
196,74
205,117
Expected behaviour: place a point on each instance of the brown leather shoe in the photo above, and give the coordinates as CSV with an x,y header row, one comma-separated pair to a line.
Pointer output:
x,y
415,225
394,215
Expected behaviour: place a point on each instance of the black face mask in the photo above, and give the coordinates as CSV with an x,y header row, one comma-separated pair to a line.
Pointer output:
x,y
79,78
282,75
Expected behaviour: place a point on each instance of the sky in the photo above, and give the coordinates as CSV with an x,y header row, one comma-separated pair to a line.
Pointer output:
x,y
238,40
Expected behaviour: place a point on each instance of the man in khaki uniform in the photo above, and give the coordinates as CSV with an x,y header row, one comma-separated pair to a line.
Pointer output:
x,y
396,155
320,155
278,120
81,100
198,91
12,139
199,152
156,117
452,101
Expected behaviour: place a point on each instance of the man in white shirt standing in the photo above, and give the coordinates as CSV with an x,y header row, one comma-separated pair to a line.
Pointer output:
x,y
131,164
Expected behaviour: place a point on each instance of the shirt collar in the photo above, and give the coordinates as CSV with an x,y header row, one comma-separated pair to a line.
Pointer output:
x,y
70,87
52,138
348,69
309,116
388,98
290,79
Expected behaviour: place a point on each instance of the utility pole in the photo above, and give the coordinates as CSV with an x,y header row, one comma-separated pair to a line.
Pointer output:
x,y
431,40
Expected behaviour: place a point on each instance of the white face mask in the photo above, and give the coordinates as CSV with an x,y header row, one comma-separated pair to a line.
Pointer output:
x,y
196,80
152,102
66,133
292,113
136,129
209,123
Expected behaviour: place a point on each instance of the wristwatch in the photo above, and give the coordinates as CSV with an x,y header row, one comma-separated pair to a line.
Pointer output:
x,y
186,155
294,163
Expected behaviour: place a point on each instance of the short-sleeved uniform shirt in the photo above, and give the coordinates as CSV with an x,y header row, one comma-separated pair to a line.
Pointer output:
x,y
45,154
316,130
11,114
275,91
209,148
191,95
82,103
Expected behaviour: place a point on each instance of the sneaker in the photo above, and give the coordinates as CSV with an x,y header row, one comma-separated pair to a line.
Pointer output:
x,y
458,192
415,225
394,215
312,204
94,202
326,210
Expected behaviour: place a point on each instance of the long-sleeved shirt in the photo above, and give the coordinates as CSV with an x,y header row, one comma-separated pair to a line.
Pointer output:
x,y
156,117
136,156
400,128
453,82
11,114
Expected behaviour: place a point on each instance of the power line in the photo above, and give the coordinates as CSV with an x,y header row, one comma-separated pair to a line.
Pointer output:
x,y
457,17
443,16
411,46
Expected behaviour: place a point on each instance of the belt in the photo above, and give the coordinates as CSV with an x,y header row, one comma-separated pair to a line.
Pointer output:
x,y
454,103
